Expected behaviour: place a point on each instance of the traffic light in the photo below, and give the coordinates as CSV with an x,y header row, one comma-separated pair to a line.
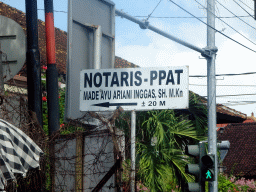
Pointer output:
x,y
197,151
208,162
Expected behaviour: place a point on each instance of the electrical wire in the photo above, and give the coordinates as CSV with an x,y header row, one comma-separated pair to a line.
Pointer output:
x,y
54,11
195,18
246,5
243,9
235,15
234,74
237,104
238,95
240,101
153,10
226,85
230,104
230,17
227,24
212,27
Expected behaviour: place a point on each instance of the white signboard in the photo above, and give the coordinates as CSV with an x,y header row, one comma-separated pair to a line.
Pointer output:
x,y
134,89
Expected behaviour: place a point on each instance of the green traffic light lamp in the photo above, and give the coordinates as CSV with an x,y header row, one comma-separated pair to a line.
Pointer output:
x,y
208,167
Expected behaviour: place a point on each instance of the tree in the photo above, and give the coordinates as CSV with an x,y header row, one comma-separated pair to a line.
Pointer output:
x,y
161,137
160,149
198,113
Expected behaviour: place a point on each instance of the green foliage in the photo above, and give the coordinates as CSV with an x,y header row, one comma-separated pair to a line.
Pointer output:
x,y
61,105
69,129
161,139
224,184
198,114
234,184
126,173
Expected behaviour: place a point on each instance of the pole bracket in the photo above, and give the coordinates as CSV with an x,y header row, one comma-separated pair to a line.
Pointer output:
x,y
208,52
144,25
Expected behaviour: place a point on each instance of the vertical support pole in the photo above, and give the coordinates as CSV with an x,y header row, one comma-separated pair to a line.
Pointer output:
x,y
79,162
113,60
255,9
51,72
33,62
51,81
133,151
97,48
211,90
1,72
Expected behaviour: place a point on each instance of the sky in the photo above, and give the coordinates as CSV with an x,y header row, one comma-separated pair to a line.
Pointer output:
x,y
148,49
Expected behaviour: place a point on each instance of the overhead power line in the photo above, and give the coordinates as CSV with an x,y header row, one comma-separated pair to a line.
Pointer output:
x,y
243,9
230,74
228,17
246,5
241,103
227,24
226,85
238,95
54,11
227,104
212,27
235,15
234,104
153,10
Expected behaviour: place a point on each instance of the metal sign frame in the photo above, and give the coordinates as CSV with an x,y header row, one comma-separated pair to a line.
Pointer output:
x,y
85,18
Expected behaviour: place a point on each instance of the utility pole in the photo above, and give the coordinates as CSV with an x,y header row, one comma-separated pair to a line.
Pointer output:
x,y
211,91
51,72
133,150
33,62
1,72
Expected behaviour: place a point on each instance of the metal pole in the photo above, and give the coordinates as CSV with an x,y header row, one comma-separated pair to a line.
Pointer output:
x,y
97,48
1,72
146,25
33,62
133,132
254,9
51,81
51,72
211,90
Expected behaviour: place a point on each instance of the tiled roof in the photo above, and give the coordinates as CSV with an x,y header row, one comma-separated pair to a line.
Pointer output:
x,y
250,119
60,41
222,125
61,37
121,63
241,158
222,109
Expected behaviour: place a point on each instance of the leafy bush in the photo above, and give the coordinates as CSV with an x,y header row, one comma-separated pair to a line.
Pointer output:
x,y
245,185
225,184
233,184
44,103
